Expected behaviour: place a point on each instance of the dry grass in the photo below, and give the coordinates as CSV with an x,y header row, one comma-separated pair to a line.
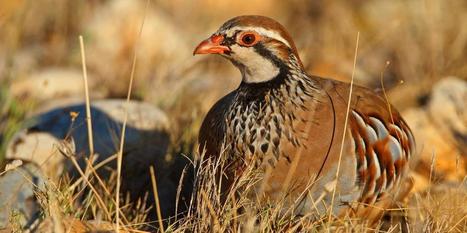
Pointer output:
x,y
423,40
438,210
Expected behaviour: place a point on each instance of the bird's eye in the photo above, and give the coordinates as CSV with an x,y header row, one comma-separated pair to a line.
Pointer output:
x,y
248,39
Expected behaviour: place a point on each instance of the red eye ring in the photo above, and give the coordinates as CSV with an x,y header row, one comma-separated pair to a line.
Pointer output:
x,y
248,38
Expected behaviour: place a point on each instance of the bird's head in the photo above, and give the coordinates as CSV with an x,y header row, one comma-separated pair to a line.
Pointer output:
x,y
259,46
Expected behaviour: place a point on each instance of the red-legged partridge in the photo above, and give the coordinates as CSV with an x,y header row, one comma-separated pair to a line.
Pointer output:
x,y
291,124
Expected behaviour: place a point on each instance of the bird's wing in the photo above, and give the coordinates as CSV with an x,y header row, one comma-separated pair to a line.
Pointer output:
x,y
375,151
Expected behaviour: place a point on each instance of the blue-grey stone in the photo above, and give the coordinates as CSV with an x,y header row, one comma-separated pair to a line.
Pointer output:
x,y
17,197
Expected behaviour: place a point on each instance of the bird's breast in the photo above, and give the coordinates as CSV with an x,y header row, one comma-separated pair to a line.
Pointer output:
x,y
257,131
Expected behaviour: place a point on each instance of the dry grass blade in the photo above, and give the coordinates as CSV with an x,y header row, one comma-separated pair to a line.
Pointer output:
x,y
55,213
88,106
86,94
432,168
212,212
345,127
12,165
80,171
106,190
122,139
386,96
458,223
179,190
94,167
156,198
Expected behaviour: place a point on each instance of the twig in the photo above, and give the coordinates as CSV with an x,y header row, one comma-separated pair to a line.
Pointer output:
x,y
399,137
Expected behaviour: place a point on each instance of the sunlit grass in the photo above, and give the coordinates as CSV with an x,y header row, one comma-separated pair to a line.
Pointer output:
x,y
12,115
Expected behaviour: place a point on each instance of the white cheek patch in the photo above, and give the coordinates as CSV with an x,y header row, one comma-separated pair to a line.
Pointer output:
x,y
255,68
262,31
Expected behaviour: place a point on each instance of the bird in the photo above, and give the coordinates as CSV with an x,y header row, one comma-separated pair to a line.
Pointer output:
x,y
299,129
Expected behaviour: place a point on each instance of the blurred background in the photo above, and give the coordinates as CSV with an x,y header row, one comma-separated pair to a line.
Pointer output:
x,y
418,47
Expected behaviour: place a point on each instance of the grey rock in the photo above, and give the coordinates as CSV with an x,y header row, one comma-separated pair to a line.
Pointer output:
x,y
440,129
147,138
448,109
51,83
17,198
147,127
105,28
38,147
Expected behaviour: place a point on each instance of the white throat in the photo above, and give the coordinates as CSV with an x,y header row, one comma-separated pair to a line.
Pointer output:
x,y
263,70
254,67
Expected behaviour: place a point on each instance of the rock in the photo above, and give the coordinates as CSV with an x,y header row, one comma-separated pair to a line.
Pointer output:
x,y
114,32
147,139
436,155
439,130
448,110
20,65
17,199
40,148
147,126
52,83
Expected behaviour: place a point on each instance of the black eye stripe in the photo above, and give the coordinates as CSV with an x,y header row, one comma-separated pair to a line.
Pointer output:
x,y
266,53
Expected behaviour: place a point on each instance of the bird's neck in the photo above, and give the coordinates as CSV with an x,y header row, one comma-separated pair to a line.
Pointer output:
x,y
249,91
290,83
264,66
259,71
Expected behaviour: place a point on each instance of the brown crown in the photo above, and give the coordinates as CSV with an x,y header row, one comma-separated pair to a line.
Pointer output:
x,y
264,22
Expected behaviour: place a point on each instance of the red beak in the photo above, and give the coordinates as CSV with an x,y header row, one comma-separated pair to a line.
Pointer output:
x,y
211,46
